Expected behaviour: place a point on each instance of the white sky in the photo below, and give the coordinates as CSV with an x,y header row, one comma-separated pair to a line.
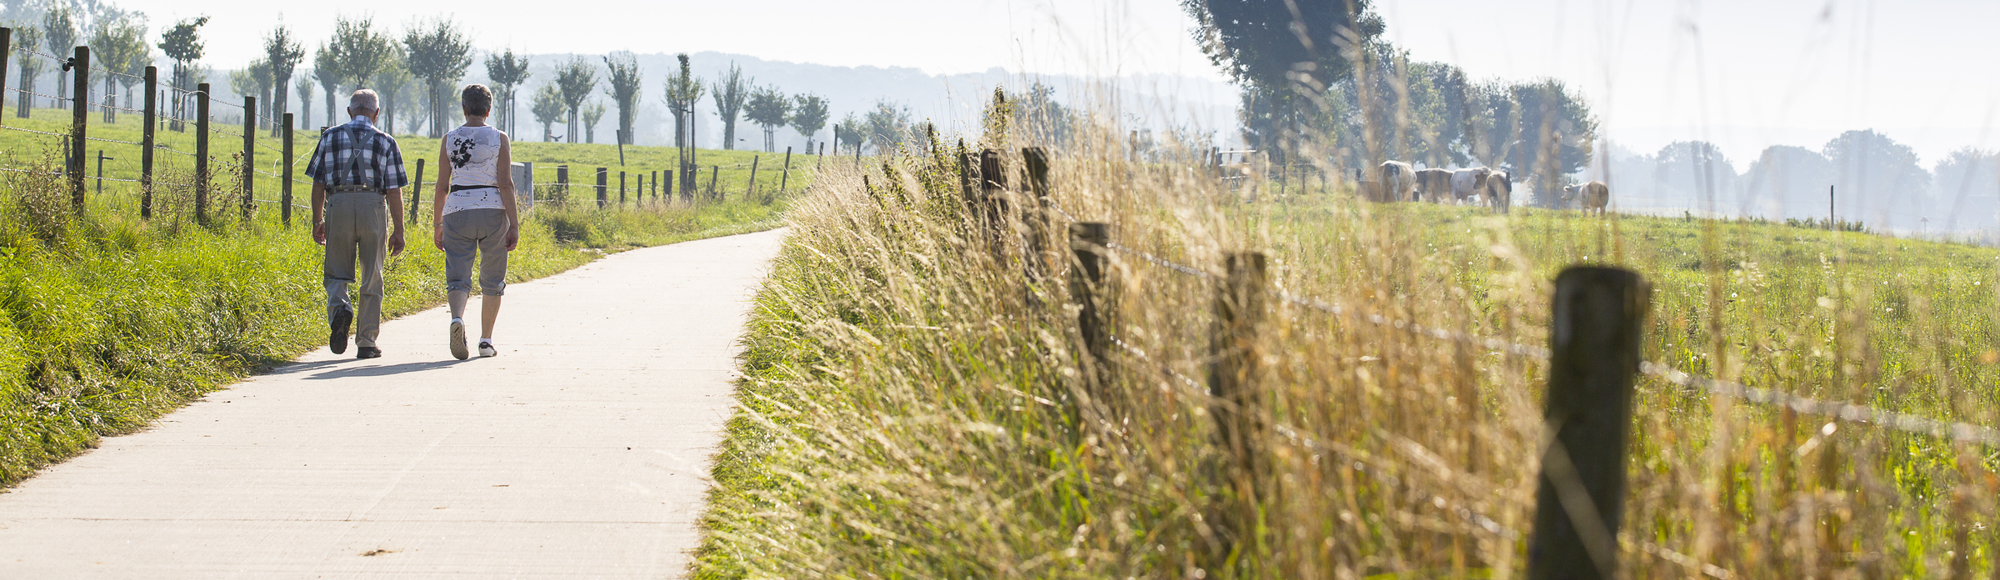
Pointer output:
x,y
1743,73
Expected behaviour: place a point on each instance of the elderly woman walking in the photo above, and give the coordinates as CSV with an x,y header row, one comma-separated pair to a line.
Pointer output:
x,y
474,214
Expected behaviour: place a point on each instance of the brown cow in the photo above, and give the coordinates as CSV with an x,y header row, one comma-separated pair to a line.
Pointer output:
x,y
1596,195
1499,191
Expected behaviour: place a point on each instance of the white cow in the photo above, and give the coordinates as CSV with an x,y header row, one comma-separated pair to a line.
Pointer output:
x,y
1468,182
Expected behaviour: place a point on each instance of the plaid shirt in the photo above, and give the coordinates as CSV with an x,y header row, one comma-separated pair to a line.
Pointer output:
x,y
358,154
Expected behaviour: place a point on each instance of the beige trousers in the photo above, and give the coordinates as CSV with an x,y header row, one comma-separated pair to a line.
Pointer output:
x,y
357,228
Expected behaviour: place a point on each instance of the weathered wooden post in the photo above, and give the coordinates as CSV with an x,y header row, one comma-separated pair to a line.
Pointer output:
x,y
79,122
100,171
562,183
667,187
1595,332
751,189
712,173
1239,407
6,60
993,203
621,188
785,178
201,153
1090,242
285,200
146,139
249,156
602,195
1037,218
417,190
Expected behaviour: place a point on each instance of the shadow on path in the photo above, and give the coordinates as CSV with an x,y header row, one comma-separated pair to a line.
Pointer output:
x,y
374,371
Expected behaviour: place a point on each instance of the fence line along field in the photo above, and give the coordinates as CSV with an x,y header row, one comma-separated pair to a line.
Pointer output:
x,y
1213,379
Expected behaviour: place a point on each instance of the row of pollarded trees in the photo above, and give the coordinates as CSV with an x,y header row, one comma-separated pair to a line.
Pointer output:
x,y
568,99
1352,97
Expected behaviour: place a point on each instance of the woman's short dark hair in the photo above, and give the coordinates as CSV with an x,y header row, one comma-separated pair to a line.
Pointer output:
x,y
477,100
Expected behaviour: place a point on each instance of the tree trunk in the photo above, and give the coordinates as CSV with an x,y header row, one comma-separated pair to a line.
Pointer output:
x,y
22,105
729,134
281,104
329,107
680,129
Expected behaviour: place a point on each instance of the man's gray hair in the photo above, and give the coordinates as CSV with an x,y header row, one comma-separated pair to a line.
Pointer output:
x,y
365,100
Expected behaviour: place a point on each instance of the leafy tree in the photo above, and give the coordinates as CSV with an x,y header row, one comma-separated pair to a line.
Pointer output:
x,y
1697,169
576,79
809,115
363,52
769,108
592,113
887,126
1556,129
851,131
284,54
507,72
1046,119
1284,54
625,82
1788,181
437,52
729,93
683,91
1968,185
548,108
30,68
304,82
395,85
118,44
326,70
59,31
182,43
1878,179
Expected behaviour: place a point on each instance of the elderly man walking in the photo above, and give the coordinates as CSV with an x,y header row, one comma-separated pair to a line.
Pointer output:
x,y
358,177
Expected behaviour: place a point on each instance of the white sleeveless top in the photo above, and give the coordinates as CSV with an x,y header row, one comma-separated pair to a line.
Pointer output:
x,y
474,153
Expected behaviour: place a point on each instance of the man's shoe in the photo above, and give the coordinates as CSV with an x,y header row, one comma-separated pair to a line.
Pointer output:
x,y
458,339
337,340
486,349
368,352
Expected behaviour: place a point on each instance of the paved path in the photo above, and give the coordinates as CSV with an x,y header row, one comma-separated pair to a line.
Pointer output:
x,y
581,451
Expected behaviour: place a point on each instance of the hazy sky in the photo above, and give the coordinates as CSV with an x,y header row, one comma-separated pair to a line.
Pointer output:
x,y
1742,73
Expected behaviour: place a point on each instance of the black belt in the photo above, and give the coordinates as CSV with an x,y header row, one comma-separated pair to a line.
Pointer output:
x,y
459,188
354,189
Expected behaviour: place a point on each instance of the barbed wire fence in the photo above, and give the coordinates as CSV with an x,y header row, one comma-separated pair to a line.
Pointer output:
x,y
1565,453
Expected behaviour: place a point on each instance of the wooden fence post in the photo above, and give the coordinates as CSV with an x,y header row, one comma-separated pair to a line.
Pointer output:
x,y
1239,406
1038,218
146,138
201,153
562,183
712,173
602,195
1090,242
785,178
1596,323
967,180
621,188
417,190
751,189
6,60
285,200
249,156
667,187
79,122
993,203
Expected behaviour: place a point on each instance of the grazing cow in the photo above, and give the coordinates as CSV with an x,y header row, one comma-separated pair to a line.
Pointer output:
x,y
1433,184
1466,183
1399,181
1499,191
1596,195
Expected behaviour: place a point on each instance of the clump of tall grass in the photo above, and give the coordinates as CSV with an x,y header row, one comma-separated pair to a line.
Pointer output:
x,y
916,402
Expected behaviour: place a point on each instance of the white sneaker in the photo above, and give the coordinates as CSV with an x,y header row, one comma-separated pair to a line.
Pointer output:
x,y
486,349
458,339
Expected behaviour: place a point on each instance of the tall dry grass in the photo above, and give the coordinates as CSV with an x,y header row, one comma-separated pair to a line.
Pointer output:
x,y
916,404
